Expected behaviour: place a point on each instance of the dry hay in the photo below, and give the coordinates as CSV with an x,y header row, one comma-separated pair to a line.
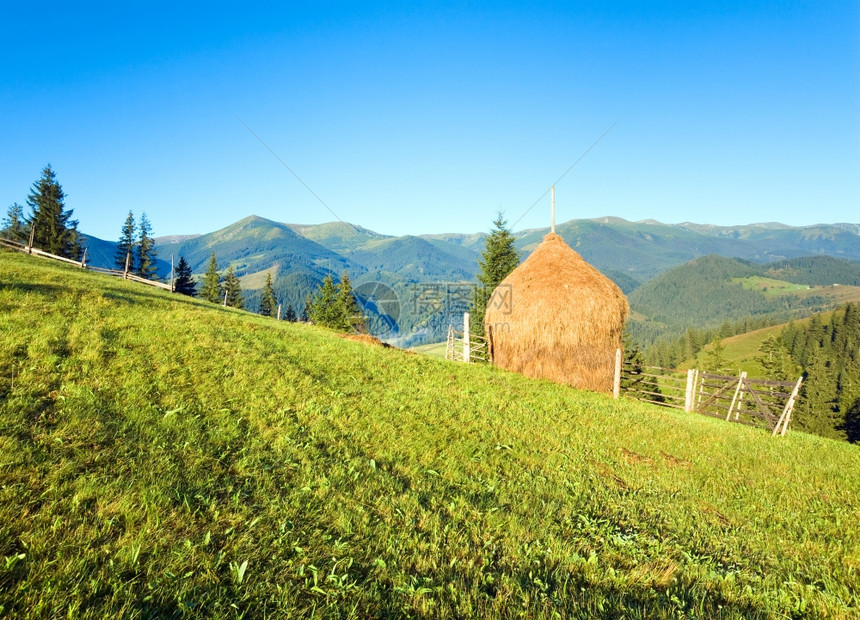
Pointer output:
x,y
366,339
562,320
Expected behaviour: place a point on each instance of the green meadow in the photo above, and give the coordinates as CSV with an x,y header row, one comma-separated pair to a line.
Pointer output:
x,y
161,457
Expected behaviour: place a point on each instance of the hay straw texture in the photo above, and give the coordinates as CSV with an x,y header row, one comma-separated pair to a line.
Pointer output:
x,y
563,321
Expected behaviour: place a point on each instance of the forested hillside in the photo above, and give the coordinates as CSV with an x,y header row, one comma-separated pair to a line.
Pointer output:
x,y
682,309
829,353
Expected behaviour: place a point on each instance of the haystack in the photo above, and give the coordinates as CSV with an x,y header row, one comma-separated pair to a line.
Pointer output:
x,y
556,317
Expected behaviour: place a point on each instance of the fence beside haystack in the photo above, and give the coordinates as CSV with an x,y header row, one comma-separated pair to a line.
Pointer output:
x,y
762,403
464,346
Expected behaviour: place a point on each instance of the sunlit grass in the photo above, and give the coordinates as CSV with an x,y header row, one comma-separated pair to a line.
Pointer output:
x,y
163,457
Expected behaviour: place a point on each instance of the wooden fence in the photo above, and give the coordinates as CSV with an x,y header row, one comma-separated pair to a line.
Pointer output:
x,y
758,402
125,274
464,346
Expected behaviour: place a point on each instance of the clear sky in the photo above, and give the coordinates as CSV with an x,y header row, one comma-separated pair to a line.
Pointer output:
x,y
422,117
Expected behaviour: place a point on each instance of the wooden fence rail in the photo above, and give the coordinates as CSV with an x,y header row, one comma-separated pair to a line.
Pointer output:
x,y
758,402
27,249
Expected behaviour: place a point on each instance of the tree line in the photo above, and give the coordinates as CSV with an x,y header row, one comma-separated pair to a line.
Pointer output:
x,y
828,352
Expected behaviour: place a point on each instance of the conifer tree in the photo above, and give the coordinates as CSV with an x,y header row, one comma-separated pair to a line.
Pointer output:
x,y
498,259
715,359
775,361
211,289
54,229
145,249
184,283
233,289
126,246
14,227
290,314
349,314
321,309
268,301
305,317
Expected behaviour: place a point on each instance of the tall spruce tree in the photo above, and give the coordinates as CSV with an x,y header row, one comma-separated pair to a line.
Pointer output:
x,y
14,226
184,283
498,259
54,229
349,315
268,301
211,289
126,247
233,289
321,309
146,253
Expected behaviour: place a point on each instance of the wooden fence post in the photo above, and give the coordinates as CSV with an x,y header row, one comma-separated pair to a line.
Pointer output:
x,y
467,339
279,312
691,386
125,271
616,382
225,298
786,413
84,259
32,237
737,391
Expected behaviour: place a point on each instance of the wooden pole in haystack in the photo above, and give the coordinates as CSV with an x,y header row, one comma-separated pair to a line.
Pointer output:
x,y
552,221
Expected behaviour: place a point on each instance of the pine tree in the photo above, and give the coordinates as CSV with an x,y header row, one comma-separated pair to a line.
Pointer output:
x,y
211,290
184,284
291,314
321,309
268,301
233,289
715,359
775,361
55,231
14,227
498,259
306,316
145,249
349,316
125,247
816,406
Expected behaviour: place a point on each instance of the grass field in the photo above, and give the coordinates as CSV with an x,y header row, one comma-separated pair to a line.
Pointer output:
x,y
161,457
436,349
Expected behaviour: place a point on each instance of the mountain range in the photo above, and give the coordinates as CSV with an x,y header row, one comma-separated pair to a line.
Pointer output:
x,y
631,253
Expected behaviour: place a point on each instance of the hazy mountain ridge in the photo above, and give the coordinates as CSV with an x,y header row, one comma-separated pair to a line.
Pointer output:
x,y
631,253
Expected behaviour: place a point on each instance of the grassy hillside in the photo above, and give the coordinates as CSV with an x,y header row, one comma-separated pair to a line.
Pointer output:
x,y
161,457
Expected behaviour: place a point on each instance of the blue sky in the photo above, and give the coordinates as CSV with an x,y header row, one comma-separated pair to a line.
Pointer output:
x,y
431,117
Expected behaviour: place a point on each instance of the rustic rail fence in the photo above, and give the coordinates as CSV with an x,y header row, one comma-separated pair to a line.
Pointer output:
x,y
464,346
762,403
125,274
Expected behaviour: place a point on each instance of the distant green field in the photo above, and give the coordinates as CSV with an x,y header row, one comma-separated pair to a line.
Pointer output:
x,y
771,287
437,349
161,457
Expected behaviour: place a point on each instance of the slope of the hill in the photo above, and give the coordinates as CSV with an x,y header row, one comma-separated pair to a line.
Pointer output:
x,y
162,457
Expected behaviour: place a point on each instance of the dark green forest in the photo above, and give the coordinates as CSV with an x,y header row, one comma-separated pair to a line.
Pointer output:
x,y
829,354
